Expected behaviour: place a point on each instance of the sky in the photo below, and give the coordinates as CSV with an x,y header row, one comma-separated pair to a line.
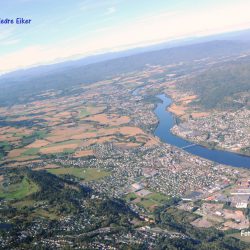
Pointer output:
x,y
68,29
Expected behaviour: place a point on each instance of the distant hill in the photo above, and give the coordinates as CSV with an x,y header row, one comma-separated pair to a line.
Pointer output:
x,y
30,82
226,86
62,66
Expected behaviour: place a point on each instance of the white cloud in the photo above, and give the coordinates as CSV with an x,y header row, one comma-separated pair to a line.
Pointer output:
x,y
87,5
145,30
7,37
10,42
110,11
5,33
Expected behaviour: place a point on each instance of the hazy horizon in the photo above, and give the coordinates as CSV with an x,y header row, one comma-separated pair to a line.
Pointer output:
x,y
62,31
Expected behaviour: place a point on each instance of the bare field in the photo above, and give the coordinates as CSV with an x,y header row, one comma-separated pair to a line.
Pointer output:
x,y
153,141
200,114
201,222
131,131
112,120
16,152
177,109
63,133
38,144
125,145
26,158
187,98
72,122
21,164
58,148
83,153
49,166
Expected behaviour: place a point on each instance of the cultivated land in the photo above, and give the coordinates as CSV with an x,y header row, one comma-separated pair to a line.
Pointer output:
x,y
80,167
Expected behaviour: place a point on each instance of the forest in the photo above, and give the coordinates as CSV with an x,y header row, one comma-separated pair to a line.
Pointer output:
x,y
224,86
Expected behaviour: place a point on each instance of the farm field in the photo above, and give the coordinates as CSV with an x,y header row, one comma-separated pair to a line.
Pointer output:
x,y
59,126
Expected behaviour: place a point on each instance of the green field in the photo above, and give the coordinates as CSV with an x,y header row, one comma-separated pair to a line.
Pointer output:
x,y
40,134
23,203
31,151
161,198
88,174
68,151
147,203
18,190
131,197
83,113
154,199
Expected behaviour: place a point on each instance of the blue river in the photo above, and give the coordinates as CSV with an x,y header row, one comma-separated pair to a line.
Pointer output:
x,y
167,121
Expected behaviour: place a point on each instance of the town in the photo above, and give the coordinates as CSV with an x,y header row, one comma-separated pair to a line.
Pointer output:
x,y
102,137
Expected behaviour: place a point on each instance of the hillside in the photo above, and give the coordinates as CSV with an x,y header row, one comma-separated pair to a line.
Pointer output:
x,y
61,212
26,84
226,86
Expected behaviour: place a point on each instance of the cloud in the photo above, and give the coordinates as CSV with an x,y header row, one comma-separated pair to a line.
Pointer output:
x,y
110,11
6,33
91,5
7,37
18,59
149,29
175,24
87,5
10,42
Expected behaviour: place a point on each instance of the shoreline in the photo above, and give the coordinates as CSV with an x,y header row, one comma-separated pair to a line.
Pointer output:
x,y
213,154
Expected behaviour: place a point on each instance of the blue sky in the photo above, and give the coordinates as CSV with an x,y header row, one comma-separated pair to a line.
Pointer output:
x,y
66,29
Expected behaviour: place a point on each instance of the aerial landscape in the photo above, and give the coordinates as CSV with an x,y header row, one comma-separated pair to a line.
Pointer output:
x,y
141,145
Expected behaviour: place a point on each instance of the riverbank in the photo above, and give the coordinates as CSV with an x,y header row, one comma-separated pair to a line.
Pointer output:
x,y
163,131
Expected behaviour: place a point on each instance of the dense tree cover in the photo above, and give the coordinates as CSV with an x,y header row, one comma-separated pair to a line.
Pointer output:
x,y
65,198
226,86
4,148
62,198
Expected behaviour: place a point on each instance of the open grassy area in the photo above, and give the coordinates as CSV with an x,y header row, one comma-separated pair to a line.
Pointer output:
x,y
31,151
40,134
152,200
147,203
87,174
18,190
19,135
158,197
68,151
83,113
23,203
131,197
